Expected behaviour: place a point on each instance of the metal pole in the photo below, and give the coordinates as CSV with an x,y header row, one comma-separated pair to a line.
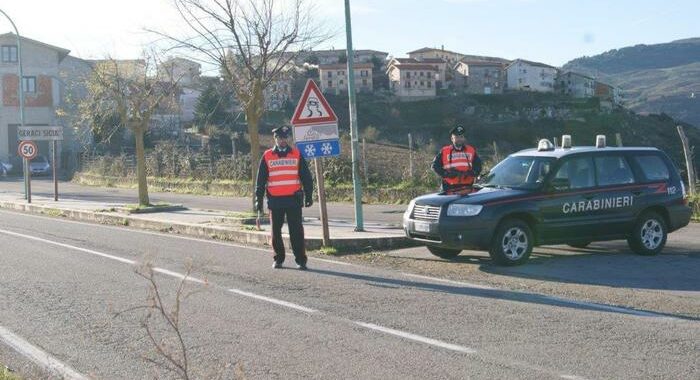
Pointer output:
x,y
21,94
53,164
28,176
356,183
410,157
322,201
364,160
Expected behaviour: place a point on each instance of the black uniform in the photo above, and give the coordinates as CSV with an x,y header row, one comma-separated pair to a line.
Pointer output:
x,y
289,206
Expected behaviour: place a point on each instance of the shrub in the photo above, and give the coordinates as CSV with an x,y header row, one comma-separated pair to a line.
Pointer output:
x,y
236,169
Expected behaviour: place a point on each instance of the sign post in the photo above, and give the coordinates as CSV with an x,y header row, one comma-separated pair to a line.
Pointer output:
x,y
53,134
27,150
316,136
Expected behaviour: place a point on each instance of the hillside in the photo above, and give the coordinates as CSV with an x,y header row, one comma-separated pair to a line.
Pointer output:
x,y
661,78
513,121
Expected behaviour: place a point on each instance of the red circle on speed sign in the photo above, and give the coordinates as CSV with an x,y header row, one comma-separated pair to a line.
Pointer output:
x,y
27,149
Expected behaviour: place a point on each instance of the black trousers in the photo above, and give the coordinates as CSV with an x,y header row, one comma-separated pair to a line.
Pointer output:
x,y
296,233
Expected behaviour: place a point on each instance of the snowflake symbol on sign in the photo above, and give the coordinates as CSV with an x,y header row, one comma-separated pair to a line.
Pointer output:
x,y
310,150
326,148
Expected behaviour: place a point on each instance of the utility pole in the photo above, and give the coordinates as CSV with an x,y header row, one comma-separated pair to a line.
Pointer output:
x,y
354,141
21,99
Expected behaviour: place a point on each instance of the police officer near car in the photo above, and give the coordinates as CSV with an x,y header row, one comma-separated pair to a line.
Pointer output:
x,y
284,177
457,164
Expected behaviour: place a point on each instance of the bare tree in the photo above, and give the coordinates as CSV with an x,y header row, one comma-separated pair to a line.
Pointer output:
x,y
134,91
252,41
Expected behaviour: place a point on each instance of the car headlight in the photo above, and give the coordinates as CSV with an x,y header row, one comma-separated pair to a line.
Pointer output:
x,y
409,209
463,210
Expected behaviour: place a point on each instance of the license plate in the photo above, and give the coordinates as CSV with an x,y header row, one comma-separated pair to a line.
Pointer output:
x,y
421,226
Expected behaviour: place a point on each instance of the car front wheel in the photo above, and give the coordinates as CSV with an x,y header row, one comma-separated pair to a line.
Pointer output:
x,y
512,243
649,234
445,253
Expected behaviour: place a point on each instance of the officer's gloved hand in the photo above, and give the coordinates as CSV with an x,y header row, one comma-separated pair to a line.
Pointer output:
x,y
259,204
308,202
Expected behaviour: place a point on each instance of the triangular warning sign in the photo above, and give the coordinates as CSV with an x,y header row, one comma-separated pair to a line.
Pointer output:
x,y
313,107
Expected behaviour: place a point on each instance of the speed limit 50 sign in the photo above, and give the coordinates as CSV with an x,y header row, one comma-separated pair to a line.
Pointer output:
x,y
27,149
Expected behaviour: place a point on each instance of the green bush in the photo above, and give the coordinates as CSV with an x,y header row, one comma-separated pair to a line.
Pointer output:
x,y
695,205
236,169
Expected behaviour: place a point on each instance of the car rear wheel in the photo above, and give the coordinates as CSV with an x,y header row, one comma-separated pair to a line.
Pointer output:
x,y
582,244
512,243
445,253
649,234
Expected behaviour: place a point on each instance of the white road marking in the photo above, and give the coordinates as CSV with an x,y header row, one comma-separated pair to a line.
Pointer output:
x,y
572,377
43,359
51,242
417,338
178,275
333,262
386,330
273,300
169,235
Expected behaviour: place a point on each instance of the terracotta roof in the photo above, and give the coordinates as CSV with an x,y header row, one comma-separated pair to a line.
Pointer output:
x,y
481,63
532,63
355,66
433,60
577,74
415,66
405,60
340,51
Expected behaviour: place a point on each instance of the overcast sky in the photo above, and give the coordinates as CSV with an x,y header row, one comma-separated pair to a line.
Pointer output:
x,y
550,31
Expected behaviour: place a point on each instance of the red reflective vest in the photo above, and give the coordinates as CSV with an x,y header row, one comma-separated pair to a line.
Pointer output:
x,y
460,160
283,173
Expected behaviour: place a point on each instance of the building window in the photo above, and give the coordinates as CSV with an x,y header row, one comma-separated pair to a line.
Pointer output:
x,y
340,83
29,84
364,82
422,83
422,73
408,74
330,74
9,53
330,83
430,75
430,84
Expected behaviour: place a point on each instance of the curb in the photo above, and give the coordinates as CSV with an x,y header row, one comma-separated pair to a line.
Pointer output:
x,y
258,238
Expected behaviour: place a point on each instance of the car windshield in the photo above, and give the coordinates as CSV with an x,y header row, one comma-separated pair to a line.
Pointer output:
x,y
39,160
518,172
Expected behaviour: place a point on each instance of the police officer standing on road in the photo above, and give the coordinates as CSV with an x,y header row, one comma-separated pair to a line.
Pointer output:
x,y
457,163
282,175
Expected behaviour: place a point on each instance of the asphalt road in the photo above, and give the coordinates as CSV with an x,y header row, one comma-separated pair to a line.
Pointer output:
x,y
41,186
70,290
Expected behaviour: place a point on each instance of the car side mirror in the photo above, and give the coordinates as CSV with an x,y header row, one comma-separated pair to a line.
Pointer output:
x,y
559,184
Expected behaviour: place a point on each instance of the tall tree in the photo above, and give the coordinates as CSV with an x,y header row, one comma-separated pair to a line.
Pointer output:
x,y
252,41
133,90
